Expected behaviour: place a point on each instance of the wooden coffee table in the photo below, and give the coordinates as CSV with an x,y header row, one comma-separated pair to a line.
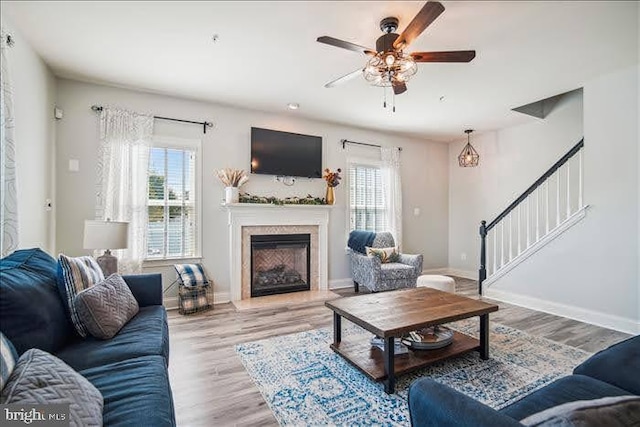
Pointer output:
x,y
394,314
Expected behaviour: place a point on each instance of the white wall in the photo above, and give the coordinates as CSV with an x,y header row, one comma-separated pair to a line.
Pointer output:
x,y
591,271
34,89
424,172
511,159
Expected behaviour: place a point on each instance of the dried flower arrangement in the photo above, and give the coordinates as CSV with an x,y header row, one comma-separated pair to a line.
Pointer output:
x,y
232,177
332,178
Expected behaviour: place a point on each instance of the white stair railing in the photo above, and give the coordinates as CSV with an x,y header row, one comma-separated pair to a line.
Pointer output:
x,y
511,239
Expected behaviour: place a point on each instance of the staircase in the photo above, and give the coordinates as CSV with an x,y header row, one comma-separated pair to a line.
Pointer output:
x,y
549,207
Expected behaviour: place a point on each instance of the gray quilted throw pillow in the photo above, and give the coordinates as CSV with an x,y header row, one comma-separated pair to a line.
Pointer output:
x,y
106,307
40,378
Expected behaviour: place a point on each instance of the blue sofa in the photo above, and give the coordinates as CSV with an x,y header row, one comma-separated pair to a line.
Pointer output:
x,y
130,370
614,371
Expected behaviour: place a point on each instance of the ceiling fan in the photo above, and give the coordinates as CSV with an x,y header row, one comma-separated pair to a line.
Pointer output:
x,y
389,65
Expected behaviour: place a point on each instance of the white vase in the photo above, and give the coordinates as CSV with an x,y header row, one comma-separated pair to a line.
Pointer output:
x,y
231,195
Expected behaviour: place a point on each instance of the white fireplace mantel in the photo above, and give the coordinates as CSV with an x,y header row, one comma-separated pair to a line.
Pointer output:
x,y
253,214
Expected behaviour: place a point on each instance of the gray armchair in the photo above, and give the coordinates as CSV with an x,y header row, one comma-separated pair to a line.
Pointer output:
x,y
368,271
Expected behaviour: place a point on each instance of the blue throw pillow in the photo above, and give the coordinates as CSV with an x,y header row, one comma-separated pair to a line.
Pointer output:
x,y
32,314
8,358
191,274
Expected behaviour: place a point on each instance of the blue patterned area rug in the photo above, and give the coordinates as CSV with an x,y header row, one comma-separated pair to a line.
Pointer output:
x,y
306,383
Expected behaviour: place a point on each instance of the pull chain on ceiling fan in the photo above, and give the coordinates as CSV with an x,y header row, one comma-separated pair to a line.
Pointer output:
x,y
389,65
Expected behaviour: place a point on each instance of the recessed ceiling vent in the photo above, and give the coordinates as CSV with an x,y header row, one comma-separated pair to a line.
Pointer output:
x,y
542,108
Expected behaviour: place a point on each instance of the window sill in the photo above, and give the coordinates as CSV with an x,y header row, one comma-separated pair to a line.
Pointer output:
x,y
168,262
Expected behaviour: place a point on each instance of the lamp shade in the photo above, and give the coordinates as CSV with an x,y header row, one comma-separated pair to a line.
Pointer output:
x,y
105,234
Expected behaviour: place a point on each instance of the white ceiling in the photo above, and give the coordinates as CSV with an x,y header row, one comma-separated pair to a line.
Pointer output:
x,y
267,56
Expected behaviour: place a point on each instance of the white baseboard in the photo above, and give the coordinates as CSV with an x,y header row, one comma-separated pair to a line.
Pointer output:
x,y
341,283
348,282
473,275
610,321
465,274
436,271
171,303
221,297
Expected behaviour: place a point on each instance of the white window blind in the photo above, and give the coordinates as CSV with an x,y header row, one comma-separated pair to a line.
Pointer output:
x,y
171,207
367,204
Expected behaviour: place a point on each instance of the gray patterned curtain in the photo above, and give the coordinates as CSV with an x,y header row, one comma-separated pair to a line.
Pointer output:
x,y
8,196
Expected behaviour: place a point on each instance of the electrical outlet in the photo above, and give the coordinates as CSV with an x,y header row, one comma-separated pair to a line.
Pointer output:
x,y
463,256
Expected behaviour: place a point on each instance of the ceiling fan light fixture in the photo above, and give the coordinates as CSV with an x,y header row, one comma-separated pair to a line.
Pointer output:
x,y
388,65
390,59
378,72
469,157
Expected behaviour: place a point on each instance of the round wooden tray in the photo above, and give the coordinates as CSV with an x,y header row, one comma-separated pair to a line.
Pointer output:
x,y
431,340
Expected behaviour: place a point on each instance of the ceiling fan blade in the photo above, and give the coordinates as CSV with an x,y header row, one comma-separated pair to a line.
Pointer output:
x,y
344,78
345,45
452,56
429,12
399,87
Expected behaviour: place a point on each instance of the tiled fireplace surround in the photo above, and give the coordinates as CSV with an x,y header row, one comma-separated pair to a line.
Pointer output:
x,y
245,220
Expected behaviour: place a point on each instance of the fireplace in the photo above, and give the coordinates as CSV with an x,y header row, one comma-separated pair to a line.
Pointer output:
x,y
280,263
248,219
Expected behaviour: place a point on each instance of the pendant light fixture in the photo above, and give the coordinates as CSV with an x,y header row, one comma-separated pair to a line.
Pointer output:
x,y
469,157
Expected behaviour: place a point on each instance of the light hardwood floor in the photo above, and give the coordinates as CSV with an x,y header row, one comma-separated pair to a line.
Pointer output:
x,y
211,387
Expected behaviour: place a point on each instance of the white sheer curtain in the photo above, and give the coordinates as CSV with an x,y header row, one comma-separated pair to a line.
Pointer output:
x,y
8,195
393,190
123,179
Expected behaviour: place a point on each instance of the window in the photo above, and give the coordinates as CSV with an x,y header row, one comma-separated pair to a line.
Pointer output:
x,y
172,227
367,204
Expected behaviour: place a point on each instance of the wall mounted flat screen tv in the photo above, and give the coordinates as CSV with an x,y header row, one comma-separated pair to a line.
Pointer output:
x,y
285,154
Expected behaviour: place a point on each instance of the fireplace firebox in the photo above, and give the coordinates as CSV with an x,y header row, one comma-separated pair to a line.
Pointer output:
x,y
280,263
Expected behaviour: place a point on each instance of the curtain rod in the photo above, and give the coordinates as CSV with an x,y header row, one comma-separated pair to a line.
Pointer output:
x,y
205,125
346,141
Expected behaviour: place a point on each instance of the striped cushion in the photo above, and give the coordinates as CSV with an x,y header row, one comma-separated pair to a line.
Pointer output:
x,y
386,255
191,274
76,275
8,358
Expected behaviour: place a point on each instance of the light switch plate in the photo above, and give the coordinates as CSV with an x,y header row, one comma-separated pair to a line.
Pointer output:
x,y
74,165
416,211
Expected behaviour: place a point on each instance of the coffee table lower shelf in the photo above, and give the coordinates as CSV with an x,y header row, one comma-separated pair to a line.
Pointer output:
x,y
370,360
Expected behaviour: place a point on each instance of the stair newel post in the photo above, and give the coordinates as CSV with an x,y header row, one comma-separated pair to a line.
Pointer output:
x,y
482,273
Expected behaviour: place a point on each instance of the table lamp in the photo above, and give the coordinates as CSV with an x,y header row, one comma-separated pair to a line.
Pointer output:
x,y
106,235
